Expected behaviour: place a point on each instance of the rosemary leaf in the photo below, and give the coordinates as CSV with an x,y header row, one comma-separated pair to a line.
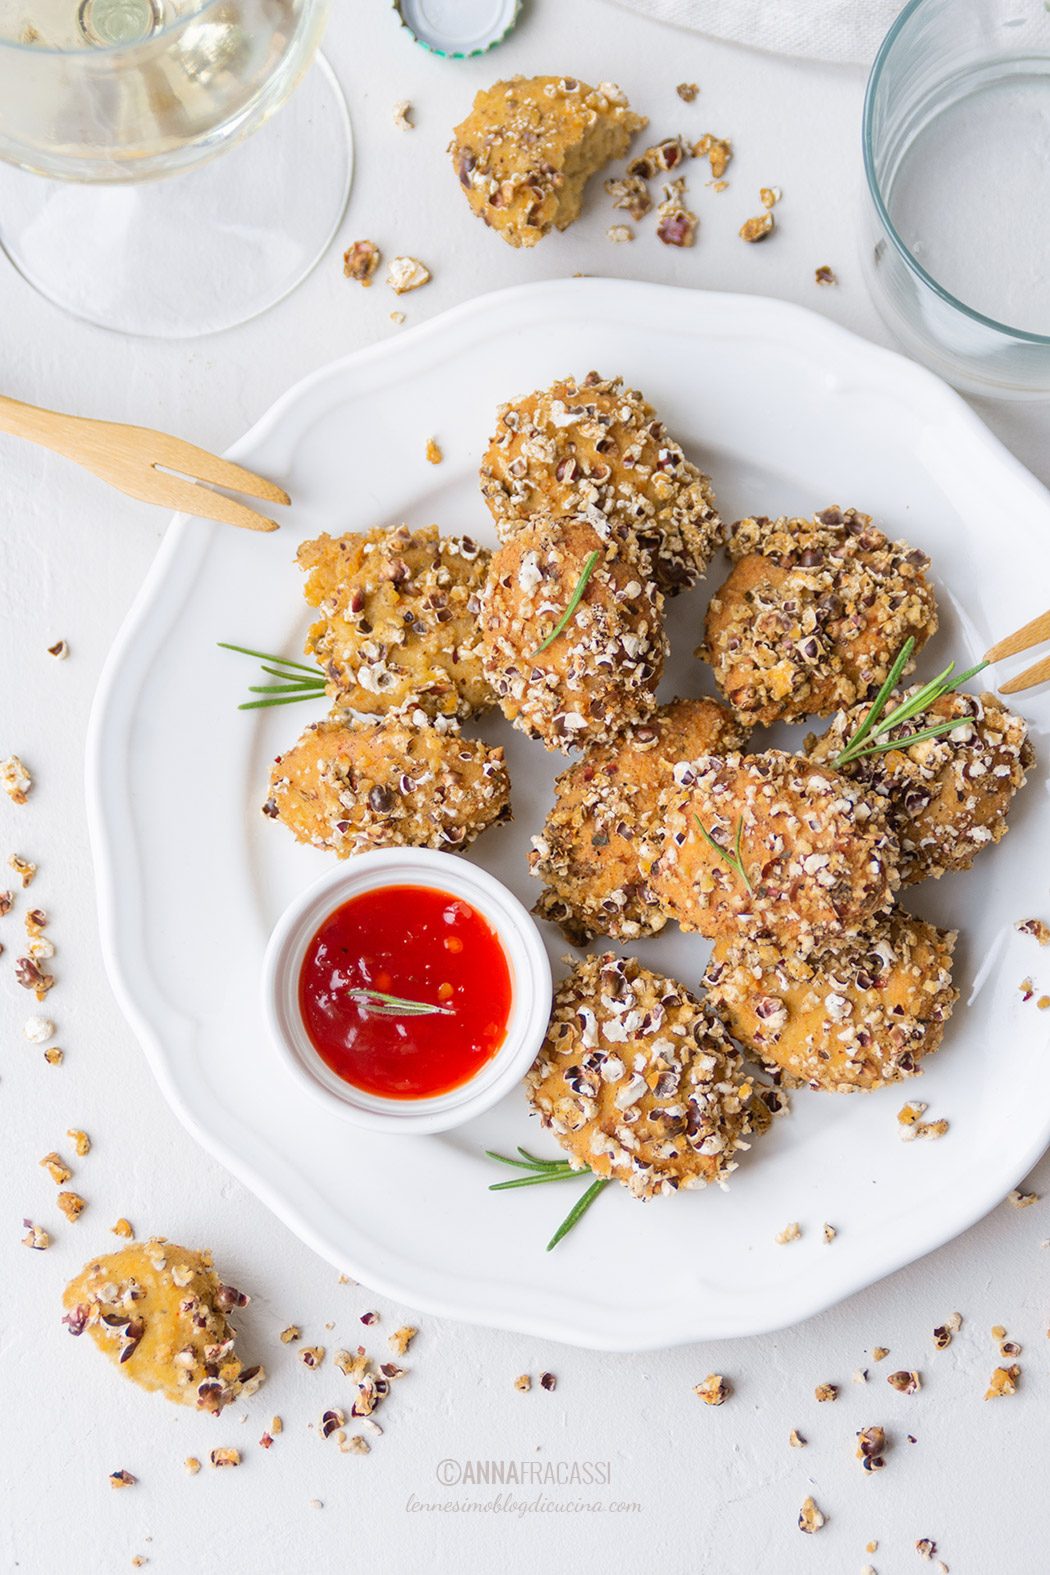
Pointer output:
x,y
899,664
257,705
871,738
732,859
885,745
577,1211
537,1180
266,656
574,602
383,1005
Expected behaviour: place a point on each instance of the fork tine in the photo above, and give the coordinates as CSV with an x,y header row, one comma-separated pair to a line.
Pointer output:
x,y
1031,634
189,498
1038,673
173,454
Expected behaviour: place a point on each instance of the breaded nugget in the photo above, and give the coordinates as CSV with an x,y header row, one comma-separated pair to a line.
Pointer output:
x,y
803,854
159,1312
575,447
399,781
813,614
606,811
528,147
399,620
946,797
599,675
640,1082
858,1012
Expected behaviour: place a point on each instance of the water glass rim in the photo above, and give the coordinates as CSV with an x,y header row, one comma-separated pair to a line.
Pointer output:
x,y
102,51
885,50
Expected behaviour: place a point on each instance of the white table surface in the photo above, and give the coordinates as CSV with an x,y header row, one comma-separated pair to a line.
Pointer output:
x,y
717,1490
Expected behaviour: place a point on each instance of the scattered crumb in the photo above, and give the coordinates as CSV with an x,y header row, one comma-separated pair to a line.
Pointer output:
x,y
123,1228
926,1547
687,91
871,1447
912,1126
620,233
54,1056
38,1030
81,1141
791,1232
433,452
630,193
718,185
312,1355
796,1440
56,1168
277,1426
122,1479
825,1392
407,273
395,317
360,261
906,1383
676,224
829,1232
1008,1348
192,1465
36,1237
758,228
998,1331
60,650
714,1389
15,779
266,1441
824,275
138,1560
879,1353
6,901
1022,1200
72,1205
369,1318
332,1422
1003,1382
401,1339
225,1457
1036,928
1026,987
860,1376
810,1518
23,868
403,115
769,196
871,1547
548,1381
292,1332
523,1382
1043,1002
716,150
357,1446
315,1503
942,1335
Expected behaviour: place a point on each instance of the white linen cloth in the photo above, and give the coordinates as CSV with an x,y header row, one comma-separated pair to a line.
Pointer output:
x,y
835,30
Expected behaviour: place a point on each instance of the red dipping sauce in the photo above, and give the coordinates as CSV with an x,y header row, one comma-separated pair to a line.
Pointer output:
x,y
419,944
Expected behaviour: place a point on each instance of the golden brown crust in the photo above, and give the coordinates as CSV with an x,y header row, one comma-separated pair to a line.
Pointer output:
x,y
817,857
398,623
946,797
528,147
639,1082
600,673
159,1312
856,1013
606,811
813,614
400,781
575,447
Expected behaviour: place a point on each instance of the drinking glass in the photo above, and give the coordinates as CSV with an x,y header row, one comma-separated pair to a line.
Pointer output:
x,y
112,115
956,150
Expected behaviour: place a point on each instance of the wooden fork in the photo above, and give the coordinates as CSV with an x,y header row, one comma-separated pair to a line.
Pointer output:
x,y
1032,634
140,462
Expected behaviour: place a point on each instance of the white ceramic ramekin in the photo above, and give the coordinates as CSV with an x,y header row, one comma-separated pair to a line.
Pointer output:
x,y
523,947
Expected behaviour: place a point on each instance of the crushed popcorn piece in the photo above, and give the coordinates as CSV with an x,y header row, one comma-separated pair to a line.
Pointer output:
x,y
1022,1200
810,1518
871,1447
906,1383
829,1232
687,91
31,976
356,1445
826,1392
60,650
523,1383
6,901
360,261
1036,928
369,1318
942,1334
38,1030
548,1381
1026,987
1009,1348
192,1465
1003,1382
714,1389
998,1331
1043,1002
791,1232
395,317
407,273
312,1355
56,1168
619,233
81,1141
716,150
659,159
859,1376
769,196
926,1547
72,1205
433,452
676,224
225,1457
122,1479
758,228
122,1228
277,1426
35,1236
15,779
401,1339
403,115
23,868
631,194
796,1440
879,1352
292,1332
332,1421
54,1056
824,275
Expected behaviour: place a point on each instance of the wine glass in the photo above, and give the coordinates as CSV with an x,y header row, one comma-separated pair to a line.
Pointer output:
x,y
99,99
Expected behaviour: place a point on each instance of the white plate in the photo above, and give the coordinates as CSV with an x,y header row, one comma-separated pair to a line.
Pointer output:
x,y
788,413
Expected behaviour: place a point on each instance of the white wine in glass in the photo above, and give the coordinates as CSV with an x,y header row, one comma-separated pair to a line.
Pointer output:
x,y
99,99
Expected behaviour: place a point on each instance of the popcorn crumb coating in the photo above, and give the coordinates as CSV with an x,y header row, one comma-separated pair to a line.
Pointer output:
x,y
639,1082
600,674
813,614
946,797
858,1012
575,447
159,1312
398,622
605,813
395,782
528,147
819,858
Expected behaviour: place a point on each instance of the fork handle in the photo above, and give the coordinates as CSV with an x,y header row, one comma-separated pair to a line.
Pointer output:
x,y
49,428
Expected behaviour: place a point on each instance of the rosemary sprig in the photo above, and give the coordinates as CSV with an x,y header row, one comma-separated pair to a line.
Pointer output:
x,y
541,1171
382,1005
297,680
871,737
574,602
735,862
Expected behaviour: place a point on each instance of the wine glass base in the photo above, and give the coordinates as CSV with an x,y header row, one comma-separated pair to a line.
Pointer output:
x,y
196,252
